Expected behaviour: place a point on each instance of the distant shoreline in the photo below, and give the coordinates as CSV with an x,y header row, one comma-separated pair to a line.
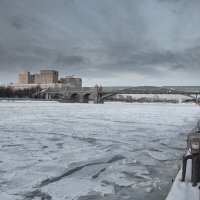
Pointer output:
x,y
143,100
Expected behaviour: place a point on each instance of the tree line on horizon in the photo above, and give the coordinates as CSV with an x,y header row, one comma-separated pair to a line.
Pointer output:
x,y
8,92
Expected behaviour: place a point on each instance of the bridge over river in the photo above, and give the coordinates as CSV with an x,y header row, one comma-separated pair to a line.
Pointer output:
x,y
98,93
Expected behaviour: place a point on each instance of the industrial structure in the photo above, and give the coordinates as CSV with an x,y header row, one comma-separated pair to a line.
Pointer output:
x,y
45,79
70,80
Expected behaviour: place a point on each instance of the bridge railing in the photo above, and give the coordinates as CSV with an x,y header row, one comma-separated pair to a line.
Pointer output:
x,y
145,90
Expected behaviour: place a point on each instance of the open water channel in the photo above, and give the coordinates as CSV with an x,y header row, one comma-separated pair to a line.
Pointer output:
x,y
113,151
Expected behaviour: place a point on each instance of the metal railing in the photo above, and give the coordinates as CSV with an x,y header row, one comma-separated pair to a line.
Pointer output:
x,y
193,143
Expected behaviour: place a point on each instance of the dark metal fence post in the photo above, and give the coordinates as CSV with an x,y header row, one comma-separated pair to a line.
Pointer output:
x,y
185,158
194,170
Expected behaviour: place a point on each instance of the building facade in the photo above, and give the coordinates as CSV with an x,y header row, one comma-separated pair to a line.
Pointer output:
x,y
45,79
71,81
36,78
48,76
25,78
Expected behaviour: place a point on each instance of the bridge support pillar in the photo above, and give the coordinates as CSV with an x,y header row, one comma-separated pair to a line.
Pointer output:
x,y
97,95
48,96
197,100
82,99
98,100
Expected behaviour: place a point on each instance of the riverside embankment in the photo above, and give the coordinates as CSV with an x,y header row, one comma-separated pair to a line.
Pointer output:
x,y
184,190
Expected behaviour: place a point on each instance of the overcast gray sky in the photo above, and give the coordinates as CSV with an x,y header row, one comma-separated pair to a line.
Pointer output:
x,y
108,42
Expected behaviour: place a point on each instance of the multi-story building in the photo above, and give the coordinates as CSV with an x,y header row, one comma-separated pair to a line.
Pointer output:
x,y
45,79
48,76
25,78
36,78
71,81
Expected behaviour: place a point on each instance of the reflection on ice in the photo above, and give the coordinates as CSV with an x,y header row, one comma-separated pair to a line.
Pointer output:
x,y
86,151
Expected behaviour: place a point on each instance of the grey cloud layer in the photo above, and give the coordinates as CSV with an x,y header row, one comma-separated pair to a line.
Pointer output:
x,y
93,38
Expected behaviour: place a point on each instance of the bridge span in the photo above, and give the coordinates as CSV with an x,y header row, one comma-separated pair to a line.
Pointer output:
x,y
98,93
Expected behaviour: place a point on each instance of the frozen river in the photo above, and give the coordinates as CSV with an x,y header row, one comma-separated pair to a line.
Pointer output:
x,y
113,151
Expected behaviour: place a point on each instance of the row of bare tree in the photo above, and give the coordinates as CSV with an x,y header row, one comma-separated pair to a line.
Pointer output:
x,y
8,92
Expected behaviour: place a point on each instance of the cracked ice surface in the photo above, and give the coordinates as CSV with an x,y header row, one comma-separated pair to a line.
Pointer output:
x,y
112,151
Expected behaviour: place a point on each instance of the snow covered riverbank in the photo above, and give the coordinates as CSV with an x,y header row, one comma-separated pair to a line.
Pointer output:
x,y
184,190
87,151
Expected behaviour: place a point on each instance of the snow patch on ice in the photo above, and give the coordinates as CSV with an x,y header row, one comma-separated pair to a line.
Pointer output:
x,y
119,179
104,189
69,188
159,155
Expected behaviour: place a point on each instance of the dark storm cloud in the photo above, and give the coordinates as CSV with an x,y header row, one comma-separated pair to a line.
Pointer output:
x,y
17,25
169,0
92,38
69,60
155,62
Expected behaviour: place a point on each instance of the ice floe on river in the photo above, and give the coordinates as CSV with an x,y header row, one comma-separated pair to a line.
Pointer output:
x,y
112,151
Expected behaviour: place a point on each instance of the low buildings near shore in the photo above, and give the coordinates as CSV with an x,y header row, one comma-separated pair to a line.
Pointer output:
x,y
44,80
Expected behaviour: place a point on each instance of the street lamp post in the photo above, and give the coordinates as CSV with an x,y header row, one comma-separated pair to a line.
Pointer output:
x,y
193,143
198,126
